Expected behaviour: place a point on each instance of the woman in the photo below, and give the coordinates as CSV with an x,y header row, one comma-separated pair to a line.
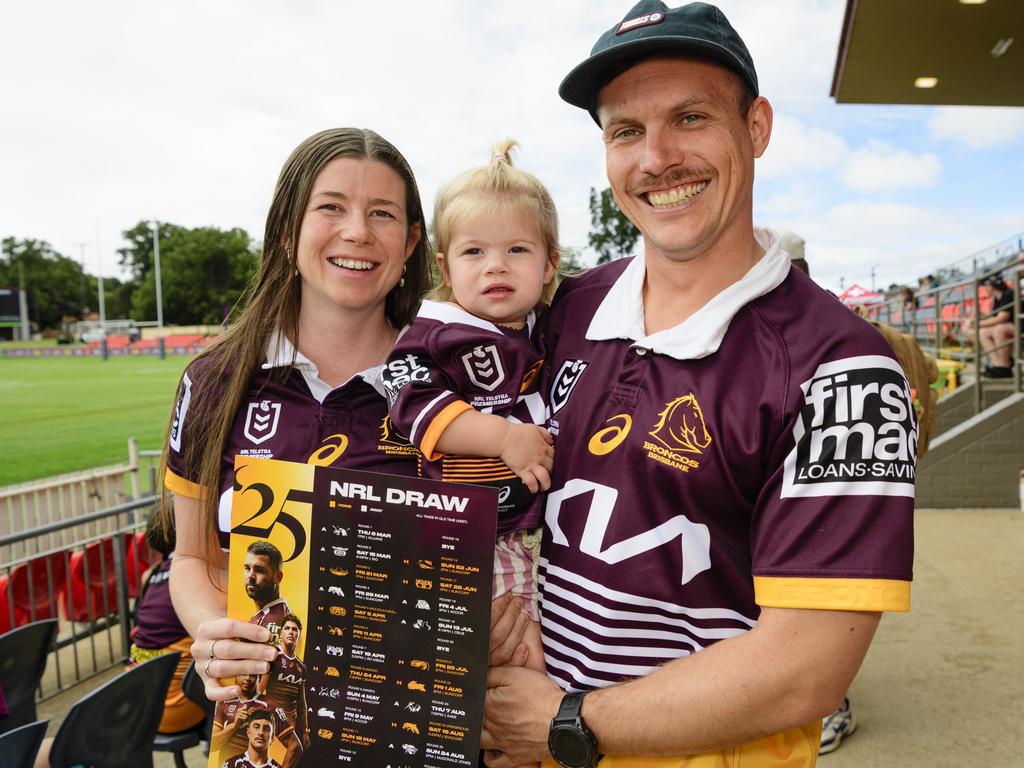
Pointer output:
x,y
345,261
996,330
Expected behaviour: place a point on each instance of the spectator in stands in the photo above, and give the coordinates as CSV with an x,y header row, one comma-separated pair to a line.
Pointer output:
x,y
158,631
908,309
997,330
345,261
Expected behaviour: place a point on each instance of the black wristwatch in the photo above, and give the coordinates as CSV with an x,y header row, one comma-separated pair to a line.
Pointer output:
x,y
570,742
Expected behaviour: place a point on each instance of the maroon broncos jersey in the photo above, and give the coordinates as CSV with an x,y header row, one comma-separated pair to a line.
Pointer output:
x,y
287,676
759,454
297,419
243,761
449,361
226,712
270,616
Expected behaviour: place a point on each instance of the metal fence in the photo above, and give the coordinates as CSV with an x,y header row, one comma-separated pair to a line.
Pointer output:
x,y
88,585
945,321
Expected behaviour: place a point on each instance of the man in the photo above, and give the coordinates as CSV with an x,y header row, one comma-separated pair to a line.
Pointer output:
x,y
260,733
263,576
997,331
285,682
732,496
231,718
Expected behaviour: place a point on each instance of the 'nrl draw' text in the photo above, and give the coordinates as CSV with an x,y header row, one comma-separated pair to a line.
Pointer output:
x,y
399,496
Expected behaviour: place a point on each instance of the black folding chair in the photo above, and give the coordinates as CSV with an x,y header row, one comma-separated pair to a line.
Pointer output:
x,y
176,743
114,726
18,748
23,653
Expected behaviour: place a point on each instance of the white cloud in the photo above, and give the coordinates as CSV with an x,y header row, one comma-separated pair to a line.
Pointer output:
x,y
879,167
978,127
796,148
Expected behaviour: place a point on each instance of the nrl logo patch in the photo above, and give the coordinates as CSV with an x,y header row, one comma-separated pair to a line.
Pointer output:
x,y
568,376
484,367
261,421
856,434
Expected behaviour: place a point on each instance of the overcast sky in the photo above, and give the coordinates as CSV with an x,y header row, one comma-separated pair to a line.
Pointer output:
x,y
184,111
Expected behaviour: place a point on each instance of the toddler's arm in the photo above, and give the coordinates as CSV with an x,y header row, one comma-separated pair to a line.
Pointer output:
x,y
526,448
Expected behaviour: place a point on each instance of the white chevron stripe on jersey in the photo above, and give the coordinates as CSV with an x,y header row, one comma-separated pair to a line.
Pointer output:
x,y
426,409
615,670
554,629
575,580
578,601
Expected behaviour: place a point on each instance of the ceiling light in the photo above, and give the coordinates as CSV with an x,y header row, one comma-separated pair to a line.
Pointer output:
x,y
972,2
926,82
1002,46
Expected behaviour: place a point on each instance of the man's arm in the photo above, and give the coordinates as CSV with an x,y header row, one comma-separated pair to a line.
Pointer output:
x,y
794,667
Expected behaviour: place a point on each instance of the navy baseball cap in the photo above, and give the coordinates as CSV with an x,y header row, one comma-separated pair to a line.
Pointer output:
x,y
652,27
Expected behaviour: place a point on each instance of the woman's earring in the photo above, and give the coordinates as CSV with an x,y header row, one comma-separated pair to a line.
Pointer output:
x,y
401,281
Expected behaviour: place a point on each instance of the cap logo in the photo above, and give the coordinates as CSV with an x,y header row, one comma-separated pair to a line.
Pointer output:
x,y
640,21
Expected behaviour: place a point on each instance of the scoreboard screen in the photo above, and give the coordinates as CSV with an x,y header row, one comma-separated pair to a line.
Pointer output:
x,y
10,306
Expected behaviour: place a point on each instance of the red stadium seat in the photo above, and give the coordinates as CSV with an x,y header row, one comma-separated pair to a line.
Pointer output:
x,y
34,590
93,583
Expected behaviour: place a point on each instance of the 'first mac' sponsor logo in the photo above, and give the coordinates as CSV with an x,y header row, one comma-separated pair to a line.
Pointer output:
x,y
261,421
856,433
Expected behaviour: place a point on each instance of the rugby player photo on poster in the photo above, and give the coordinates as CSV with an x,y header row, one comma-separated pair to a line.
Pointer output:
x,y
260,733
263,576
231,718
285,682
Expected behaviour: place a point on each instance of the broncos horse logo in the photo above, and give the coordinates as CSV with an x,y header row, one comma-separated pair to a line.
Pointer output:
x,y
681,426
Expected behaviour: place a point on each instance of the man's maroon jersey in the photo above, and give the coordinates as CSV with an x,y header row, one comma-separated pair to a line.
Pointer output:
x,y
287,676
449,361
761,453
270,616
226,712
298,419
244,761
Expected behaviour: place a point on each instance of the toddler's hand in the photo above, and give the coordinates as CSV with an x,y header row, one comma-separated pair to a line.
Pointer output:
x,y
529,452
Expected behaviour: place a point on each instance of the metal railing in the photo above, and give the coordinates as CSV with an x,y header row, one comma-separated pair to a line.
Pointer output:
x,y
945,321
88,588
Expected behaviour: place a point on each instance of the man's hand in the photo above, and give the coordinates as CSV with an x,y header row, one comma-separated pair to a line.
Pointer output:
x,y
509,623
518,710
528,451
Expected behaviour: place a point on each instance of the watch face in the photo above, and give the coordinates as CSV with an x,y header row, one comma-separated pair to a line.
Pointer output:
x,y
570,747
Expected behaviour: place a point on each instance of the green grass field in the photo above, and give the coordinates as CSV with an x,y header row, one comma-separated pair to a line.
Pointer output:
x,y
65,414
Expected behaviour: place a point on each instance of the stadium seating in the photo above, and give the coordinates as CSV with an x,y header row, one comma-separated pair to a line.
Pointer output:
x,y
23,654
114,726
93,583
19,747
176,743
32,588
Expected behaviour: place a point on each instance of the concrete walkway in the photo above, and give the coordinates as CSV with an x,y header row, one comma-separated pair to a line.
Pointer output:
x,y
943,685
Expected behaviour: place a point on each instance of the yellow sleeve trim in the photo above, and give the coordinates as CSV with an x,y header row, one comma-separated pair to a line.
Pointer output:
x,y
179,485
439,425
832,594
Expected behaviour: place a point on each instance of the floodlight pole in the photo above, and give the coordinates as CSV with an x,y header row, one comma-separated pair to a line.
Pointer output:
x,y
159,293
26,327
873,275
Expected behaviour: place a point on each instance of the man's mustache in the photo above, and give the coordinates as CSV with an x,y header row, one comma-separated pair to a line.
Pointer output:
x,y
672,178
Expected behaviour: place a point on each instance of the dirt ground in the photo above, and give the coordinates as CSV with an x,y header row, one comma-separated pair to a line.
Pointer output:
x,y
943,685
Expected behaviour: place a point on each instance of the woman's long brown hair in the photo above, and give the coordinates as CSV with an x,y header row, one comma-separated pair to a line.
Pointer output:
x,y
271,302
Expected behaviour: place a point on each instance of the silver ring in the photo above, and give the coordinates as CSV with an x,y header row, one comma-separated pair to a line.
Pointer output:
x,y
206,669
212,646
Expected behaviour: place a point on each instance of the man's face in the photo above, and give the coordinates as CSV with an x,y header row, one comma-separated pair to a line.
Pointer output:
x,y
261,579
680,155
290,636
261,732
247,684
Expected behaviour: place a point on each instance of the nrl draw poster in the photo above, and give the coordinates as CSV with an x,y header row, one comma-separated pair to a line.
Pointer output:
x,y
376,590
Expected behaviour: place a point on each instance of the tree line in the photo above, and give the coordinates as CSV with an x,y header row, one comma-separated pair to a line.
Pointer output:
x,y
203,270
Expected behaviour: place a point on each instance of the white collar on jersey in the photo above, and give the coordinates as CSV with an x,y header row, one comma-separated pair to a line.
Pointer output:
x,y
621,314
266,608
280,352
445,312
252,761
